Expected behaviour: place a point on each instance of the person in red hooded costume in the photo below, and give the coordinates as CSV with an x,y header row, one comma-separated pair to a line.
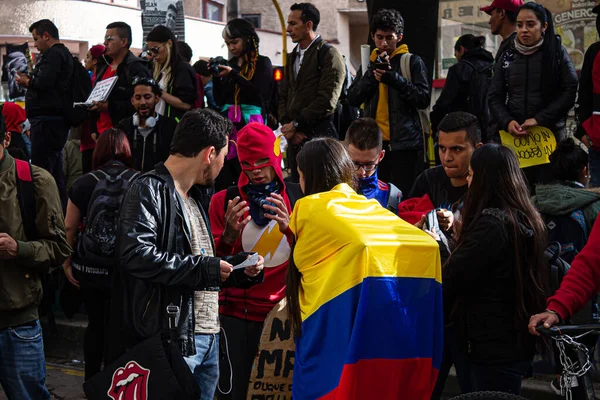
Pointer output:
x,y
16,141
251,217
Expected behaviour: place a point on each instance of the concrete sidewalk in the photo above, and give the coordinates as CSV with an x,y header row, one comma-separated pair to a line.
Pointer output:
x,y
64,352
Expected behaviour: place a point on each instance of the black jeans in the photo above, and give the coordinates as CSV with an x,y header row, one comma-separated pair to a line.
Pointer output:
x,y
96,303
401,167
454,354
239,345
501,378
48,138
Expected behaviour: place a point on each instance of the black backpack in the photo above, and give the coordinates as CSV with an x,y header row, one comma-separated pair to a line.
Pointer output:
x,y
344,113
96,243
567,236
477,103
78,92
566,233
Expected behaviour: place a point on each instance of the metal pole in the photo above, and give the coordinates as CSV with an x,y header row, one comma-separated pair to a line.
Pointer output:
x,y
283,32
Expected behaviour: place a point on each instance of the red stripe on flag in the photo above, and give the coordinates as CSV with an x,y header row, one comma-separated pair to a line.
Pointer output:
x,y
383,379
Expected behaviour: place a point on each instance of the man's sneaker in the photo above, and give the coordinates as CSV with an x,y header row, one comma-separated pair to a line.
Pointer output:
x,y
555,385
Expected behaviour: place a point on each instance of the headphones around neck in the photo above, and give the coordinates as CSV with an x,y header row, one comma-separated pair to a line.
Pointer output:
x,y
150,121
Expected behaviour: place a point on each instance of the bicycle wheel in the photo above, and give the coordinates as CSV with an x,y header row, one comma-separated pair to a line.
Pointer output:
x,y
488,396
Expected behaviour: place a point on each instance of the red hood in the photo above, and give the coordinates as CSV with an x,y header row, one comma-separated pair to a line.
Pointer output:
x,y
14,116
256,141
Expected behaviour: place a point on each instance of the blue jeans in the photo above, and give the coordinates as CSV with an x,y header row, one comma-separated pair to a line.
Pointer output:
x,y
595,167
23,365
502,378
205,364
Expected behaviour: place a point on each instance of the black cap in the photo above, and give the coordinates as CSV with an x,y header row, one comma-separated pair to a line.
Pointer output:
x,y
596,10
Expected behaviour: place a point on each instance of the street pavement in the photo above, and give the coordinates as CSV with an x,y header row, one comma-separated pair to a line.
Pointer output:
x,y
63,380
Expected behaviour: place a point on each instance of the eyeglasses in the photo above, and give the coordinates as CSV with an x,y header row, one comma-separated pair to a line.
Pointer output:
x,y
142,80
367,167
109,38
154,50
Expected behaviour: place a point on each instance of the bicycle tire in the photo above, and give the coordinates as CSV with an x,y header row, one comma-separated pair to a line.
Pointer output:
x,y
488,396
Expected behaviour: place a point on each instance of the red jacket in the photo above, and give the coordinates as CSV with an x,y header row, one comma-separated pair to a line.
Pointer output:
x,y
255,303
581,282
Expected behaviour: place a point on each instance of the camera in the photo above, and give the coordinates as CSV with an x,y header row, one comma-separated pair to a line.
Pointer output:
x,y
214,63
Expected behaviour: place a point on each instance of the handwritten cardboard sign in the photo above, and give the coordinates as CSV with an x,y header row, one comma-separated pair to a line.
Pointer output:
x,y
531,149
272,371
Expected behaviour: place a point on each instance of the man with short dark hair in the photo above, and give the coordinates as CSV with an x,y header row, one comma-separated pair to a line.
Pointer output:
x,y
458,137
32,240
365,147
503,21
125,65
148,132
163,208
45,100
312,83
171,18
393,100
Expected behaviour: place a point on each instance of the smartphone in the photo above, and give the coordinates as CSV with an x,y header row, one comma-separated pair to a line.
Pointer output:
x,y
383,66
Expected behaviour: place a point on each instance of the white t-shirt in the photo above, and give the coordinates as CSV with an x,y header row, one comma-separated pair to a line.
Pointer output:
x,y
300,57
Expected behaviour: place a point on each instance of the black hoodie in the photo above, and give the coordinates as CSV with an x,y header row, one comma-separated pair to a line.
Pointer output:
x,y
456,90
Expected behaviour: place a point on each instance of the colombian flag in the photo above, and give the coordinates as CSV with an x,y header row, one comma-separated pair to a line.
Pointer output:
x,y
370,298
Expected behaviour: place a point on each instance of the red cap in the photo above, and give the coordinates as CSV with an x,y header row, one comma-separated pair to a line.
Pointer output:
x,y
508,5
97,51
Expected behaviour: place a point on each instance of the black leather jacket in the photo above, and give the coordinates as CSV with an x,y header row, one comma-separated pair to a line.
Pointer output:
x,y
404,99
155,271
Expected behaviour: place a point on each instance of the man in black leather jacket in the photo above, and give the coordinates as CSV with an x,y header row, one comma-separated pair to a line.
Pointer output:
x,y
393,100
166,251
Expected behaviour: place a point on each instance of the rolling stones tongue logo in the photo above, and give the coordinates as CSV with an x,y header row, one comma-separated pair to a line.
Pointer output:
x,y
130,383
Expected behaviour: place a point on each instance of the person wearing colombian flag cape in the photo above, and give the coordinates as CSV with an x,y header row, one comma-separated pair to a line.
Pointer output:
x,y
364,290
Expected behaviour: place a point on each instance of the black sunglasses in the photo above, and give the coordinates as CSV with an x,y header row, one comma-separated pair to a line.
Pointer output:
x,y
142,80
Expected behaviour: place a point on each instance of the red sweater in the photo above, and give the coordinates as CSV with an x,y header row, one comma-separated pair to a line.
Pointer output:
x,y
255,303
581,282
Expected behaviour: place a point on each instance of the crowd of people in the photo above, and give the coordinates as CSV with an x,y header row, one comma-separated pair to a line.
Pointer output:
x,y
184,229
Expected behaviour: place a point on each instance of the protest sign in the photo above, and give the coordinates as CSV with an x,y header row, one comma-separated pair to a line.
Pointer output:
x,y
272,371
531,149
101,92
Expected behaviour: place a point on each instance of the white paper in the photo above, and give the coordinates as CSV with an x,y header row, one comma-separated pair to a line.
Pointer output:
x,y
253,260
365,54
102,90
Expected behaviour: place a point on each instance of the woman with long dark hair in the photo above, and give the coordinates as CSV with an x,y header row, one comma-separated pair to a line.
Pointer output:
x,y
363,289
112,156
242,89
534,82
497,276
474,62
176,78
